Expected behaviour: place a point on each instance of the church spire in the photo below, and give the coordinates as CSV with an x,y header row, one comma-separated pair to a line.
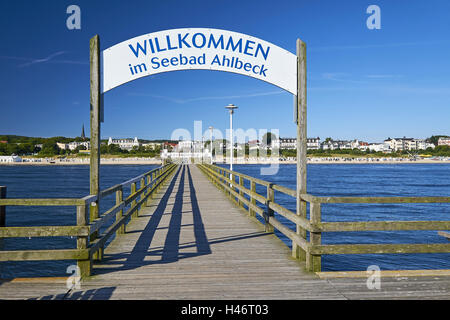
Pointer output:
x,y
82,133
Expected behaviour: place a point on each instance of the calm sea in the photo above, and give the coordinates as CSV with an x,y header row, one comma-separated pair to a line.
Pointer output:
x,y
323,180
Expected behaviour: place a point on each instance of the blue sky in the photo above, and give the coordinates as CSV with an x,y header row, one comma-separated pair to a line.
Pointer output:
x,y
366,84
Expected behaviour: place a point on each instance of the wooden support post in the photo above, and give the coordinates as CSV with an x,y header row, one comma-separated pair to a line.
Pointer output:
x,y
95,100
241,193
300,106
152,181
82,242
149,189
313,262
251,212
142,185
133,203
2,208
269,212
119,199
2,212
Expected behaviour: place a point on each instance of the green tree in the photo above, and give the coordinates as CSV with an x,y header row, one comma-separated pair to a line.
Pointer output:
x,y
49,149
267,138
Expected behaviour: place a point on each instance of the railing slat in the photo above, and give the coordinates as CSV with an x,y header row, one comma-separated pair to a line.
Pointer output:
x,y
41,255
44,231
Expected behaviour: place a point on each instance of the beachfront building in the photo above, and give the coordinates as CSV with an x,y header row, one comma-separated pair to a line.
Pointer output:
x,y
152,145
408,144
291,143
75,144
62,146
380,147
313,143
125,144
444,142
10,159
288,143
335,144
254,145
169,146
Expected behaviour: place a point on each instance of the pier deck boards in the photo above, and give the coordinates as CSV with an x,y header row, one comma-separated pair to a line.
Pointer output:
x,y
192,242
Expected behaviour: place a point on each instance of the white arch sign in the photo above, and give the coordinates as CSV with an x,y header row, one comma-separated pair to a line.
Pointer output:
x,y
197,48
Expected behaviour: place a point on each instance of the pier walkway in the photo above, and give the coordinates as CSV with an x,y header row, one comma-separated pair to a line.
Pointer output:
x,y
192,242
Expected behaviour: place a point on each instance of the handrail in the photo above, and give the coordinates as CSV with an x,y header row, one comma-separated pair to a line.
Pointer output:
x,y
313,249
90,244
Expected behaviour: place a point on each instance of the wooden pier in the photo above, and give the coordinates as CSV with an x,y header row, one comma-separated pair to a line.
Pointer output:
x,y
190,241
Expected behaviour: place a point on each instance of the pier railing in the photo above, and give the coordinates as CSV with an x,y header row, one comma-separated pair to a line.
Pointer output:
x,y
91,240
233,182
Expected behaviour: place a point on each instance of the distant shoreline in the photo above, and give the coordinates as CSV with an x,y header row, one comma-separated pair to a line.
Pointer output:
x,y
147,161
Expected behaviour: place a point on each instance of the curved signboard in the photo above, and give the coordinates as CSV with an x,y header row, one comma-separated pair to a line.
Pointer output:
x,y
198,48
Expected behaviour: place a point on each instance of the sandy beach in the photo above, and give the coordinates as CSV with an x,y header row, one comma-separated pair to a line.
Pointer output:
x,y
262,161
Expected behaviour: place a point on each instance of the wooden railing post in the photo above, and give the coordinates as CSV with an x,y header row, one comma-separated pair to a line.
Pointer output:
x,y
82,242
241,193
142,185
251,212
119,199
133,203
269,212
2,208
149,189
313,262
153,177
2,212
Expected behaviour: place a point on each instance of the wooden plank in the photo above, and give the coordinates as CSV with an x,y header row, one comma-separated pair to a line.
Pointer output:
x,y
298,220
383,225
41,255
44,231
382,199
41,202
285,190
380,248
384,273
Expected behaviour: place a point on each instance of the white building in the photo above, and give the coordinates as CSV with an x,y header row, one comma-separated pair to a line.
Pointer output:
x,y
379,147
10,159
444,142
336,144
74,144
291,143
409,144
313,143
125,144
152,145
62,146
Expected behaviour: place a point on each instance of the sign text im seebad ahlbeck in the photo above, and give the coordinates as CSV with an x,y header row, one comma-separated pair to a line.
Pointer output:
x,y
198,40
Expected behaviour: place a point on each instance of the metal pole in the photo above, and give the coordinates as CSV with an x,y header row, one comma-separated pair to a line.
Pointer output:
x,y
231,140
